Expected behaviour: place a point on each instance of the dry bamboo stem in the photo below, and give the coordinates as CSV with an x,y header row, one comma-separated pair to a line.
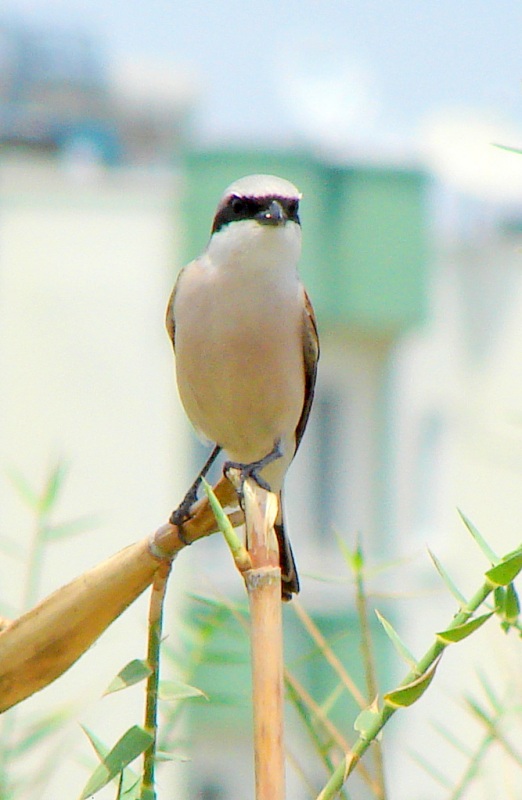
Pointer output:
x,y
263,584
43,643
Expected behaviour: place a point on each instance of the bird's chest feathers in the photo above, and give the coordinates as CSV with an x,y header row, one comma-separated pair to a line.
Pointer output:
x,y
238,326
239,350
246,316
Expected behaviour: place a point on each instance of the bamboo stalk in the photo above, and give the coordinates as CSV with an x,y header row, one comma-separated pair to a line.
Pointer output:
x,y
157,599
263,584
44,642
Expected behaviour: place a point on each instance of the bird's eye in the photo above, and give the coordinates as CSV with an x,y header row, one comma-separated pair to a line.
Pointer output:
x,y
292,208
237,205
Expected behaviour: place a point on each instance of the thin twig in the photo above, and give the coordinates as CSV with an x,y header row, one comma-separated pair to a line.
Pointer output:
x,y
370,671
157,598
316,711
329,655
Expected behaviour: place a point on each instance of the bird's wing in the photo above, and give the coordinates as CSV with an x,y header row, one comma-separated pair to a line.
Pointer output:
x,y
169,319
310,359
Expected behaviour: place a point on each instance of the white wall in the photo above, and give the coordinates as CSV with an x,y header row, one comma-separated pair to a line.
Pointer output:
x,y
86,266
464,369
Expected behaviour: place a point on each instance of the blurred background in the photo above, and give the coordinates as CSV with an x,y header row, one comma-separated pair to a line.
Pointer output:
x,y
120,126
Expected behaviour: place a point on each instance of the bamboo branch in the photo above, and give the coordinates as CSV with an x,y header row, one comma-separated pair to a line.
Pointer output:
x,y
420,675
44,642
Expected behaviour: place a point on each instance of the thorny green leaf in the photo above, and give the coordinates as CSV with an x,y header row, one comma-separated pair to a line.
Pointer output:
x,y
129,777
132,673
452,635
407,695
397,642
461,600
132,744
505,572
484,546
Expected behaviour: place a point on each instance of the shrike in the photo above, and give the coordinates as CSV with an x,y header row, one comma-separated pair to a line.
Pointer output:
x,y
245,340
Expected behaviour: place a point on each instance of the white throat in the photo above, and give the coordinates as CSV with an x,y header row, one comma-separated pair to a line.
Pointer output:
x,y
248,245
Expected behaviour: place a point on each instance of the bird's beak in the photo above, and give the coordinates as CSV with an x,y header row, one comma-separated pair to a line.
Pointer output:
x,y
272,215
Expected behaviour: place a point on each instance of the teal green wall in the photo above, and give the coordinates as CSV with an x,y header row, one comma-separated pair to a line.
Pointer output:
x,y
223,671
365,250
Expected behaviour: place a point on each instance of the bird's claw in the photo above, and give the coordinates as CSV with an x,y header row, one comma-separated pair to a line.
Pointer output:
x,y
246,471
252,470
182,513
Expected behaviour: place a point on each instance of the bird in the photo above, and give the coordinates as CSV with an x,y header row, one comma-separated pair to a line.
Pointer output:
x,y
246,344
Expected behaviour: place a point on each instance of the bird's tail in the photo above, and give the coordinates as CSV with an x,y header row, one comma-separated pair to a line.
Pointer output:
x,y
289,576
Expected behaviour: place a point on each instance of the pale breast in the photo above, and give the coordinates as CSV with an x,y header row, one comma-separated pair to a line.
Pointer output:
x,y
239,358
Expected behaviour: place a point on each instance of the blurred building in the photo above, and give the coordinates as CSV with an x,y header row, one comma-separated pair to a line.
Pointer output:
x,y
59,96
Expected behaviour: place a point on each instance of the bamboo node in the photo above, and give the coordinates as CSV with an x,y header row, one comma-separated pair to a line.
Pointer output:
x,y
155,548
260,578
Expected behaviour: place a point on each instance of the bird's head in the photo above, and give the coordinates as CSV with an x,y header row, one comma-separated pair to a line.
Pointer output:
x,y
258,216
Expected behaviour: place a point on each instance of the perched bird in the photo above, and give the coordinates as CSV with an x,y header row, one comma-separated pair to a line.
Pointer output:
x,y
245,341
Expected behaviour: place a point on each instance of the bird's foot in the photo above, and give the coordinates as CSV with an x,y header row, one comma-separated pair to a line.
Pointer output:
x,y
253,469
182,513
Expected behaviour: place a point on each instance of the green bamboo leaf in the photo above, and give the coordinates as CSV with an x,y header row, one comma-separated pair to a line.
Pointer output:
x,y
162,756
132,673
511,604
130,779
499,596
366,721
484,546
461,600
407,695
99,747
235,544
354,558
129,790
397,642
505,572
460,632
52,488
133,792
177,690
479,712
26,492
132,744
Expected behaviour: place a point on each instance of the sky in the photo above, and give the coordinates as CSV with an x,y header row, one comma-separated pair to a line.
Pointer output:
x,y
367,72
